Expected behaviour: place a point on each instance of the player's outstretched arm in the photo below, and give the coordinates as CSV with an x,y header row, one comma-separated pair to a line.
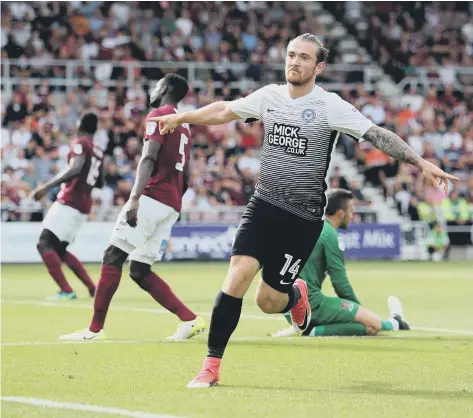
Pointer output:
x,y
392,145
212,114
71,171
143,173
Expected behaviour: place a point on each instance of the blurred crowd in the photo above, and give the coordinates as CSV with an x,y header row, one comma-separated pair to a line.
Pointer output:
x,y
39,122
401,36
217,32
36,134
437,125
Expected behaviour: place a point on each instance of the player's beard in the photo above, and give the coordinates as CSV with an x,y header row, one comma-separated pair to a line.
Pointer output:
x,y
155,101
301,81
344,224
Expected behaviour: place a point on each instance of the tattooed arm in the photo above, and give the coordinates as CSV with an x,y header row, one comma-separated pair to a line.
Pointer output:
x,y
395,147
392,145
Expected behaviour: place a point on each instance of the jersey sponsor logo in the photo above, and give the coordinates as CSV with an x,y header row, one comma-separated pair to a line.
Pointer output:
x,y
77,149
346,304
287,137
308,115
151,128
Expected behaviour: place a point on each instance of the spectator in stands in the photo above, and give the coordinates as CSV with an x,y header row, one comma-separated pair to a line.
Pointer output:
x,y
374,110
41,119
426,211
456,213
438,243
16,111
455,209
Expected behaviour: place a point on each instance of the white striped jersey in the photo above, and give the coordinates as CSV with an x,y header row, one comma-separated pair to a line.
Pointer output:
x,y
299,136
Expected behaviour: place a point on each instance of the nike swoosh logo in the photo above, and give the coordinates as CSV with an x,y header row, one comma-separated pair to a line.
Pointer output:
x,y
305,324
283,282
271,110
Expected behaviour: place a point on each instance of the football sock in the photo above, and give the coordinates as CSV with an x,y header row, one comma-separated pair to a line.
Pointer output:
x,y
107,286
338,329
54,265
294,296
225,316
164,295
78,268
389,325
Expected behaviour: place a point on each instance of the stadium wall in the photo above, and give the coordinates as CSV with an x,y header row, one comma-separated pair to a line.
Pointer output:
x,y
192,242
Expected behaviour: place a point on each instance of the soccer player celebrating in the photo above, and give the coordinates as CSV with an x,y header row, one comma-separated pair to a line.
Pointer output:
x,y
342,315
283,219
144,225
72,206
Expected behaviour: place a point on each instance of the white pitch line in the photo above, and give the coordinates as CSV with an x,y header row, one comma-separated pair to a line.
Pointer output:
x,y
83,407
74,304
403,335
444,330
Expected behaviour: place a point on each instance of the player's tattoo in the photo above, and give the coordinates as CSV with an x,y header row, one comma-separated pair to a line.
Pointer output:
x,y
392,145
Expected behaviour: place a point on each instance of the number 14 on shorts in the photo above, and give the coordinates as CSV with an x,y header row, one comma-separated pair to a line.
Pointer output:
x,y
290,267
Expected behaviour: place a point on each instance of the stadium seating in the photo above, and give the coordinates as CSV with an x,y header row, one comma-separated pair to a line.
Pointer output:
x,y
39,117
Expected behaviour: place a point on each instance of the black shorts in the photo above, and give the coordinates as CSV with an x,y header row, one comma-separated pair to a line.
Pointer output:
x,y
280,241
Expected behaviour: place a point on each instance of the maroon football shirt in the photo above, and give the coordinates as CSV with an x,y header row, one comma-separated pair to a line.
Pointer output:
x,y
166,184
77,192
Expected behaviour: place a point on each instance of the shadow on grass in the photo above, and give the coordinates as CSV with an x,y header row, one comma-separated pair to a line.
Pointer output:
x,y
367,388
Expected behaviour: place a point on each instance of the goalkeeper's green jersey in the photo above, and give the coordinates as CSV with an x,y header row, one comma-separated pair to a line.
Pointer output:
x,y
327,258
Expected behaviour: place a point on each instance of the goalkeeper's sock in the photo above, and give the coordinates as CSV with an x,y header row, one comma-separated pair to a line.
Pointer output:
x,y
225,316
389,325
338,330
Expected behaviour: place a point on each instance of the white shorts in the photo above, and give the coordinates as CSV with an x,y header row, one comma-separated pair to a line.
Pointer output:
x,y
146,243
64,221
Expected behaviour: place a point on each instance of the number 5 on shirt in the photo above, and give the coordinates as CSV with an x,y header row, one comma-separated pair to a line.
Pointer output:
x,y
182,149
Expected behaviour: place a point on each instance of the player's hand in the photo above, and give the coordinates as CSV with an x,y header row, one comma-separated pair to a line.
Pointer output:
x,y
436,176
132,212
38,193
166,123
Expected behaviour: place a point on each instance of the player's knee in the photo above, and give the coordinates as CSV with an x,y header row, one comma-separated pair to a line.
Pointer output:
x,y
267,302
373,328
264,303
240,275
45,243
115,257
139,272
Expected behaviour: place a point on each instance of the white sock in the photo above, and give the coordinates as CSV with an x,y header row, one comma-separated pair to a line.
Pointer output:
x,y
395,324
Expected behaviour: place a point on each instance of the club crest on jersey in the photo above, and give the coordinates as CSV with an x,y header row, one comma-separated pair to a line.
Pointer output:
x,y
77,148
308,115
150,128
287,137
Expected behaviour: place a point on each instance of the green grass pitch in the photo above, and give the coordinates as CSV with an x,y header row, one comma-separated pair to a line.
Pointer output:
x,y
426,372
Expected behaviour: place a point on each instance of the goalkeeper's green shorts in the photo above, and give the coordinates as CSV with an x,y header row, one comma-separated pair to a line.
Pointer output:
x,y
330,310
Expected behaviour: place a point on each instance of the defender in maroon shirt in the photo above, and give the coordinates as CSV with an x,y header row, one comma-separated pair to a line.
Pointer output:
x,y
73,204
166,184
144,225
77,193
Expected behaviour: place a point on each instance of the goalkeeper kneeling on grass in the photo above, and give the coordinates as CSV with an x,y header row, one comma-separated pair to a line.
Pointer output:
x,y
342,315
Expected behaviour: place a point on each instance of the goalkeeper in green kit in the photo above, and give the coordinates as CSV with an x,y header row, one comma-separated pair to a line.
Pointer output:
x,y
342,315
